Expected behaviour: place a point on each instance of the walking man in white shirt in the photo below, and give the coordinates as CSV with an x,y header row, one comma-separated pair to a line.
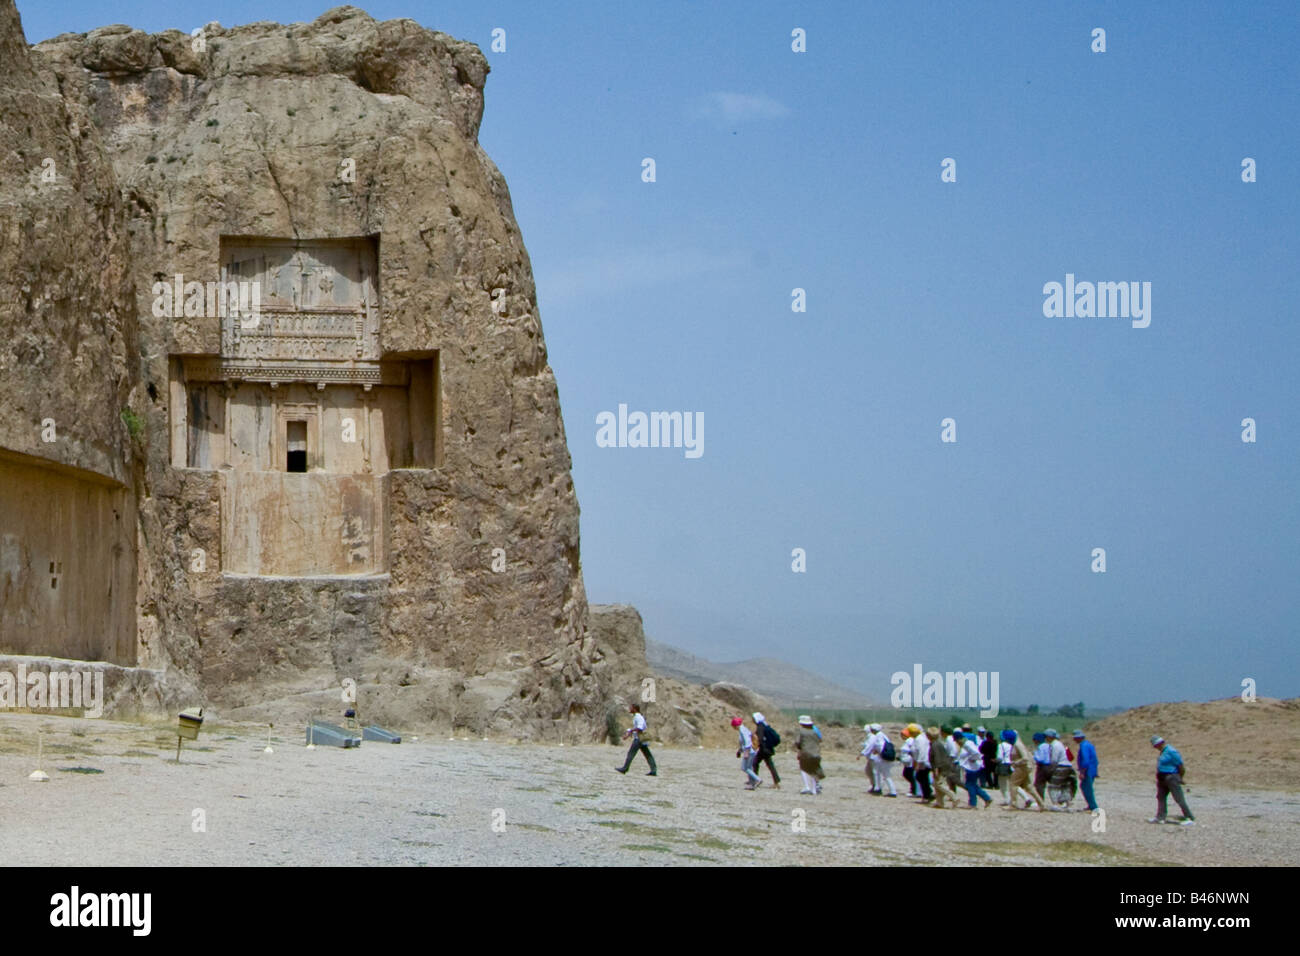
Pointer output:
x,y
880,767
635,731
972,765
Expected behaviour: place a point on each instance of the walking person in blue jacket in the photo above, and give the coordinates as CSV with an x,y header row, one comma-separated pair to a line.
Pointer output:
x,y
1169,779
1087,764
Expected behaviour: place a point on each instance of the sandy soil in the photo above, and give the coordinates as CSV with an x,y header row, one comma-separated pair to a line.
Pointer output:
x,y
435,802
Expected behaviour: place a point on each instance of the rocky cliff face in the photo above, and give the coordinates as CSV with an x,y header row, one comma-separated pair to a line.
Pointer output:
x,y
66,352
343,127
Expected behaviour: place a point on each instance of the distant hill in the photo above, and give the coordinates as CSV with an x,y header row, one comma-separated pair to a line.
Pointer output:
x,y
780,681
1224,742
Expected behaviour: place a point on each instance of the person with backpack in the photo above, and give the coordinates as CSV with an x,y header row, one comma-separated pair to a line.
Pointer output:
x,y
880,755
766,740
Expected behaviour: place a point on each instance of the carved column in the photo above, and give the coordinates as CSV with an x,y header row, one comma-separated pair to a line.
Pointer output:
x,y
367,396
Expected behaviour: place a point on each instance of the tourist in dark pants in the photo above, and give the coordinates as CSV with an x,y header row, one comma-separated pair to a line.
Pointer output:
x,y
637,729
1088,764
989,751
971,762
1042,762
921,757
763,738
907,757
1169,780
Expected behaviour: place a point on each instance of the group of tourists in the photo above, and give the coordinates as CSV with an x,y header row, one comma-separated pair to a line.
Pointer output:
x,y
939,761
756,746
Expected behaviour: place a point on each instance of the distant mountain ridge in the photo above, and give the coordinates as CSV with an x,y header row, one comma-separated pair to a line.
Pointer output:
x,y
782,682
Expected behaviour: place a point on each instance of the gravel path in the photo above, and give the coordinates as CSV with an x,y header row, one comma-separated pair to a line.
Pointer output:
x,y
439,802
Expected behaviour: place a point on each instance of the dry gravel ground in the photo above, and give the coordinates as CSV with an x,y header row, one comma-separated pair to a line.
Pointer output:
x,y
434,802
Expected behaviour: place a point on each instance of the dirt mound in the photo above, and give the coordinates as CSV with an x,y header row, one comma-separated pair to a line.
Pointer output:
x,y
1230,743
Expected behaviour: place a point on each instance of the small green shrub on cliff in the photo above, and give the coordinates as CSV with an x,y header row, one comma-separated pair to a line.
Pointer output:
x,y
134,425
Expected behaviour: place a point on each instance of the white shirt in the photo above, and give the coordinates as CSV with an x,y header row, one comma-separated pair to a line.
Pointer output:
x,y
922,751
638,723
970,756
1058,755
1004,752
905,752
952,747
746,738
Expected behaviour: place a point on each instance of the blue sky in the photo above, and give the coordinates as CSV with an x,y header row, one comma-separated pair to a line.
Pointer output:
x,y
821,170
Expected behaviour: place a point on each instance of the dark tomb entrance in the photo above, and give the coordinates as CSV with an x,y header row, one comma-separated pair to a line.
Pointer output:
x,y
297,446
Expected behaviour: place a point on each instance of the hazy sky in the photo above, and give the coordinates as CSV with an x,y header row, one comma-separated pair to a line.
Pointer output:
x,y
821,170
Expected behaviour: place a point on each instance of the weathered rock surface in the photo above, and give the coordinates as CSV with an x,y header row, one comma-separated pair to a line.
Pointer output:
x,y
120,693
676,711
67,342
164,146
